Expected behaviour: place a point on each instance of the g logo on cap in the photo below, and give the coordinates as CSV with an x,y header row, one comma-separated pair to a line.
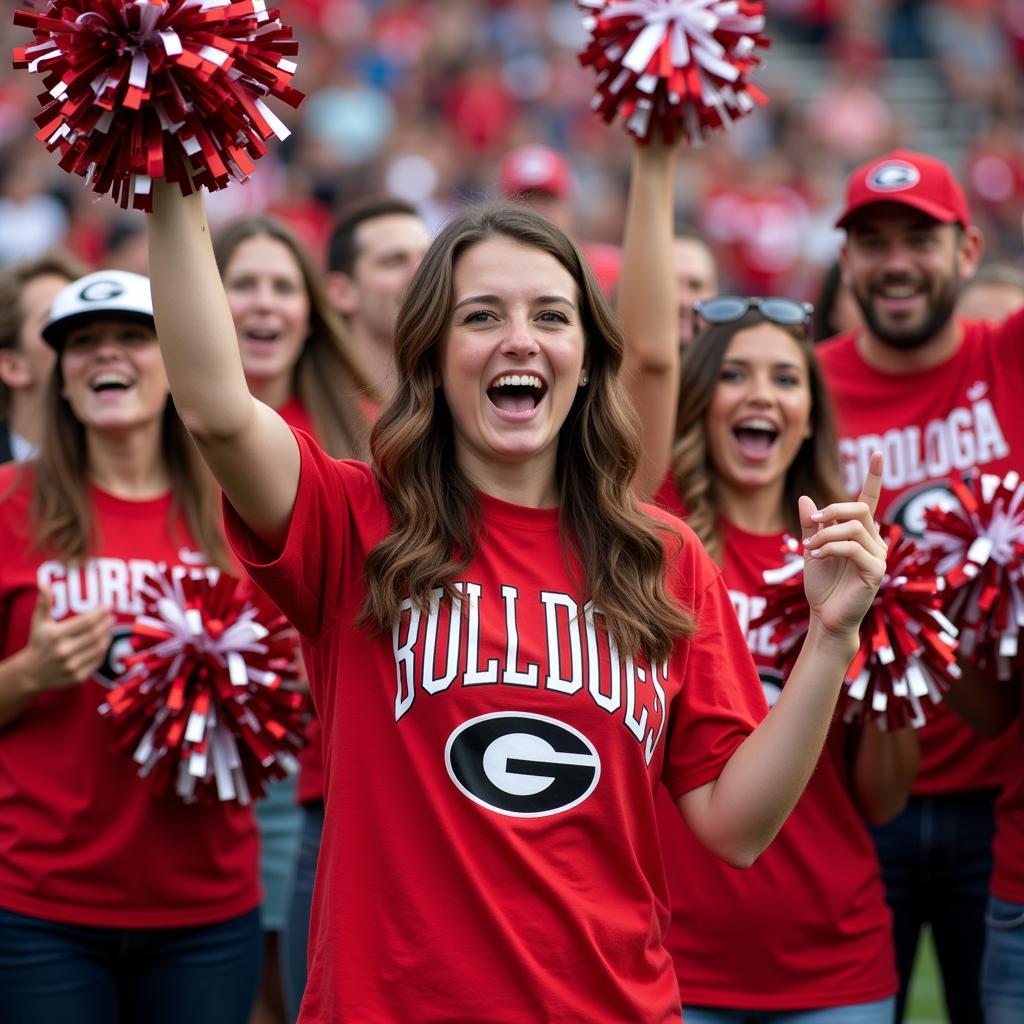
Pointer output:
x,y
895,176
100,291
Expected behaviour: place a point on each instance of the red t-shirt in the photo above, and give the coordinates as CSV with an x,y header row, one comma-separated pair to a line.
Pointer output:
x,y
963,415
310,786
490,849
83,839
807,926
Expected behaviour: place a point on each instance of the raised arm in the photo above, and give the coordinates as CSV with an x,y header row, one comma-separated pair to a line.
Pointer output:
x,y
738,814
648,309
249,448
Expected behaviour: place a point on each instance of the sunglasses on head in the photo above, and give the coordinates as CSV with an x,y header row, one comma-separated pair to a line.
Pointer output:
x,y
727,309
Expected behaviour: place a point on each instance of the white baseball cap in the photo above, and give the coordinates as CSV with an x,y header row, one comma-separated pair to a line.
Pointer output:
x,y
107,294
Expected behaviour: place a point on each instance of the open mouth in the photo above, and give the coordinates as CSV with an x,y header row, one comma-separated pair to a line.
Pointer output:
x,y
517,393
755,437
261,335
898,293
111,381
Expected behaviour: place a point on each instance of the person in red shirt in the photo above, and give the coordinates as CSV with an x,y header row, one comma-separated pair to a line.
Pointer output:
x,y
299,359
116,905
804,934
939,395
507,652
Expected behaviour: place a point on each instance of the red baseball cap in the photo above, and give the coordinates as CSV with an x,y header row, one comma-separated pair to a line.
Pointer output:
x,y
912,179
534,169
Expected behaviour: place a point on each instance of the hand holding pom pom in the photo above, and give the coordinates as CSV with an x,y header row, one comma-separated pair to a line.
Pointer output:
x,y
674,68
208,702
143,89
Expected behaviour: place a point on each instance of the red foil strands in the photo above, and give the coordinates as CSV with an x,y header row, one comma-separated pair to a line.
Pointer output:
x,y
907,654
208,703
144,89
979,547
674,68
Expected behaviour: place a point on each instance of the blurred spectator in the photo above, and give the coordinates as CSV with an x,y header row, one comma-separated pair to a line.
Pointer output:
x,y
696,277
26,361
835,310
375,248
541,179
31,220
995,291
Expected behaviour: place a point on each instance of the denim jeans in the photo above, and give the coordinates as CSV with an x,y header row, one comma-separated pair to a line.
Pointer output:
x,y
51,972
936,861
880,1012
298,903
1002,976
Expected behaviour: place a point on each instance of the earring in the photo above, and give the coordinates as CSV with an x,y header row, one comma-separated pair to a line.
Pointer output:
x,y
585,380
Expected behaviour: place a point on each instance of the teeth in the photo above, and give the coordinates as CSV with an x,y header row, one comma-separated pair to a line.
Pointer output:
x,y
517,380
899,291
117,379
757,424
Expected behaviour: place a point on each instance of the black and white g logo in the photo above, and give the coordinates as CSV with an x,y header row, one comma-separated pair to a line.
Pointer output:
x,y
522,765
113,667
100,291
894,176
908,511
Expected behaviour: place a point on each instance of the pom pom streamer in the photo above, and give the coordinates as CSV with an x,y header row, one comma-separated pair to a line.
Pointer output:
x,y
979,547
208,702
674,67
144,89
906,659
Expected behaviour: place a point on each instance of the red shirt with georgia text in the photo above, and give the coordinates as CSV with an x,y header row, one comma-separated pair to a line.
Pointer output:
x,y
807,925
963,416
490,848
83,839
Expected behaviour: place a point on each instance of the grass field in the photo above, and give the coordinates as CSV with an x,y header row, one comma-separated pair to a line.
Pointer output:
x,y
925,1005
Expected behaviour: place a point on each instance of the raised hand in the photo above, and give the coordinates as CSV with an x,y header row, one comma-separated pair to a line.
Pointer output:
x,y
63,654
844,556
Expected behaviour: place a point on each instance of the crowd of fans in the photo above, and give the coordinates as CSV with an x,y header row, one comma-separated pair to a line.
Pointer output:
x,y
423,100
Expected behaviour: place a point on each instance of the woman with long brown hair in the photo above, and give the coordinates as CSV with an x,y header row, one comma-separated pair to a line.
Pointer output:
x,y
506,650
804,935
116,905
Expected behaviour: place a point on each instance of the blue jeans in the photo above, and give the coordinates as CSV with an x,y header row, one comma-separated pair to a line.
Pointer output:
x,y
936,861
881,1012
1002,976
298,904
51,972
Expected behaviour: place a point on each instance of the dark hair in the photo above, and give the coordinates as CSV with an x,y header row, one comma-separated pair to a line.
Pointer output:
x,y
12,317
822,324
815,469
342,251
329,379
433,506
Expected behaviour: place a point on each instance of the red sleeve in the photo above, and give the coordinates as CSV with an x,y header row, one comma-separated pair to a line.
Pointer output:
x,y
309,578
721,700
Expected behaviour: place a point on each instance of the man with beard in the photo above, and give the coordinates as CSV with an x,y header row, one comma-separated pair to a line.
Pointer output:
x,y
938,395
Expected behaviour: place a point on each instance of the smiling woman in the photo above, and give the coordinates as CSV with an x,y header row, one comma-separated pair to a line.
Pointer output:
x,y
507,650
118,489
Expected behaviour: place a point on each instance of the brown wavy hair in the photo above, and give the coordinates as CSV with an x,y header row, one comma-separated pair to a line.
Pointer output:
x,y
815,469
328,379
62,515
620,549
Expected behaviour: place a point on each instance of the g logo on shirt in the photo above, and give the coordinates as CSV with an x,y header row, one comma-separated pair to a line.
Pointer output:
x,y
109,673
908,510
772,683
521,764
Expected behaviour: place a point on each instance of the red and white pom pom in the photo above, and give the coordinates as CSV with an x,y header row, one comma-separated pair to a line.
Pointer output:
x,y
907,655
208,703
980,550
672,68
144,89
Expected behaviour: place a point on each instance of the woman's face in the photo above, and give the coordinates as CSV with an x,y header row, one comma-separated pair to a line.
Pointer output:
x,y
512,358
760,413
114,378
270,306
